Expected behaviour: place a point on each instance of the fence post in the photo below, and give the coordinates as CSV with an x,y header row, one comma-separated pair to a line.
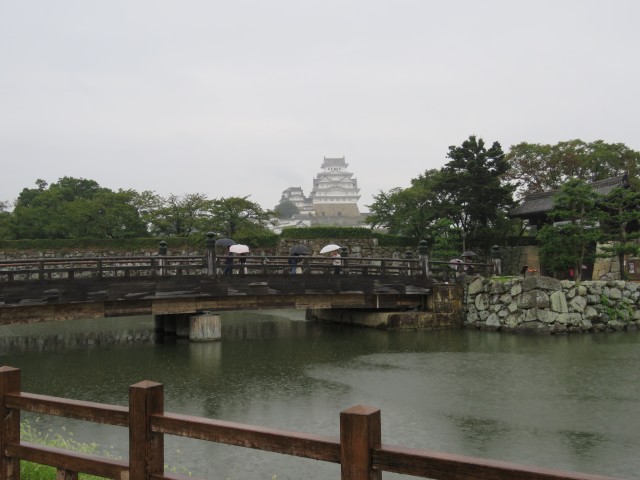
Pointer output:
x,y
146,448
9,423
211,254
360,432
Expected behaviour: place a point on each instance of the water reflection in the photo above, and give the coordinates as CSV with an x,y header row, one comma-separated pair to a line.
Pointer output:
x,y
558,402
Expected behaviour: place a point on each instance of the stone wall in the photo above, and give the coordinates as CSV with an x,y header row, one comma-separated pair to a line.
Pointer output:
x,y
545,305
357,247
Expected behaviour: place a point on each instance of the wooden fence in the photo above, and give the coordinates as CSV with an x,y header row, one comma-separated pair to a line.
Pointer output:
x,y
358,449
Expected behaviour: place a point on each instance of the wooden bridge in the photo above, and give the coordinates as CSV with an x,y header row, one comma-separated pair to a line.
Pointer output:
x,y
49,289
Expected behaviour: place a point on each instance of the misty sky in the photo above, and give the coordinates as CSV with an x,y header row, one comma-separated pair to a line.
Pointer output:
x,y
245,97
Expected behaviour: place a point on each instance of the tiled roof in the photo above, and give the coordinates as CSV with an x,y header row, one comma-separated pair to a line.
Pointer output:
x,y
542,202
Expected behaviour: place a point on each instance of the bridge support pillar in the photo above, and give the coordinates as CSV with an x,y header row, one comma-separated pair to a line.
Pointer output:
x,y
205,328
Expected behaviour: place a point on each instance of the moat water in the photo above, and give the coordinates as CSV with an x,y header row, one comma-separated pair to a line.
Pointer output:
x,y
562,402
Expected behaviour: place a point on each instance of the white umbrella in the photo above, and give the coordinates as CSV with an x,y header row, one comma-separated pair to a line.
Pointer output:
x,y
454,262
239,248
332,247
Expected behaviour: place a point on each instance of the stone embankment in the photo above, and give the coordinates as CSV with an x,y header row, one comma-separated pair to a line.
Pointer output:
x,y
71,341
545,305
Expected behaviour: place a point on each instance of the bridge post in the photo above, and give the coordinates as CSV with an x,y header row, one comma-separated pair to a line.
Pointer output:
x,y
408,255
9,423
423,252
162,252
211,254
360,433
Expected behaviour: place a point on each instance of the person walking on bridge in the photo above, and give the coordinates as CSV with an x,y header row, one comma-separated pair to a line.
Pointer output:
x,y
228,269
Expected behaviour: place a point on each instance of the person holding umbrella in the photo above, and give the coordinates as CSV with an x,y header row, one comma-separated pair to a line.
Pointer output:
x,y
296,251
337,263
228,263
334,251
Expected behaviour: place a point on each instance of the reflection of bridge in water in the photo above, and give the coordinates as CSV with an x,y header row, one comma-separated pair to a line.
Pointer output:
x,y
61,289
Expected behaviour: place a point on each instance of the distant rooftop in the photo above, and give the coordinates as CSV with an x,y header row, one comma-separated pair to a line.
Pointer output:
x,y
542,202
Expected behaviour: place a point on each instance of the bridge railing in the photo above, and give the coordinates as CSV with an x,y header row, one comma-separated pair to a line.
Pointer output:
x,y
358,449
286,265
135,266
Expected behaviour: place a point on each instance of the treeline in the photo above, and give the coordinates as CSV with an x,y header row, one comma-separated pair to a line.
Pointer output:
x,y
465,204
75,208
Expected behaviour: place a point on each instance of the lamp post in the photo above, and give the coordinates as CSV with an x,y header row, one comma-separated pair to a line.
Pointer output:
x,y
423,255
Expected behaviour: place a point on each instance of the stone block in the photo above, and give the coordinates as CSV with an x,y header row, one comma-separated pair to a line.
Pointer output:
x,y
558,302
482,301
578,304
533,299
475,286
493,320
615,293
516,289
541,283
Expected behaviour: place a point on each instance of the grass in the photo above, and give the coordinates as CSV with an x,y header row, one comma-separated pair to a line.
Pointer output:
x,y
65,440
36,471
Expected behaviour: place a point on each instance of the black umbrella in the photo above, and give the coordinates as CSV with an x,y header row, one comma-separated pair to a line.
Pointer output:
x,y
224,242
299,250
469,253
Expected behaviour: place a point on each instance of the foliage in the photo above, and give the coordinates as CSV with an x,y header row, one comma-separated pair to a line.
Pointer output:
x,y
411,211
36,471
236,216
128,244
472,188
571,243
623,311
286,209
258,239
620,220
538,168
468,198
174,216
326,232
74,208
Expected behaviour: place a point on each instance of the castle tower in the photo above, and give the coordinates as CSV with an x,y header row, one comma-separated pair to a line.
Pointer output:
x,y
335,193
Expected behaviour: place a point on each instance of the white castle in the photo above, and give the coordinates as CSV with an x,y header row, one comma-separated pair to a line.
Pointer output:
x,y
333,199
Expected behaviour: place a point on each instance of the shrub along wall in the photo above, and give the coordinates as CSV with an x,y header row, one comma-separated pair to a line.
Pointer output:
x,y
546,305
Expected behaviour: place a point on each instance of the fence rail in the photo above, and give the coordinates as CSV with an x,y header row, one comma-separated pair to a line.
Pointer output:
x,y
140,266
358,449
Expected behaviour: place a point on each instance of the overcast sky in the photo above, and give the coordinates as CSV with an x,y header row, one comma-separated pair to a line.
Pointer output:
x,y
246,97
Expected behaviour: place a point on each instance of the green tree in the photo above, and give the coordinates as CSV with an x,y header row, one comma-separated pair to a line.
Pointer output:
x,y
174,216
237,216
620,221
74,208
471,188
410,211
286,209
570,242
537,168
5,221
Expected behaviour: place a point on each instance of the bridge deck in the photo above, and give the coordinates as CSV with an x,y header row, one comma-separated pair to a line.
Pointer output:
x,y
92,297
